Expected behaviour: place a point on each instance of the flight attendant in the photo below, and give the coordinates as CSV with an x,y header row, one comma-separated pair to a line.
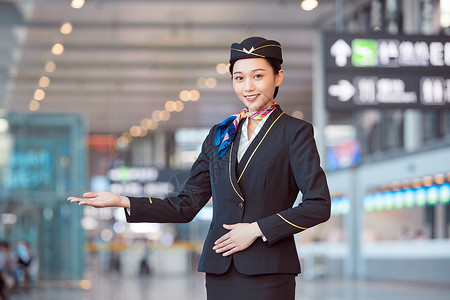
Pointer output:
x,y
253,164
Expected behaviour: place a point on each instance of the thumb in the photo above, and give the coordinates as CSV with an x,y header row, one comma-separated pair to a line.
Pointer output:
x,y
229,227
90,195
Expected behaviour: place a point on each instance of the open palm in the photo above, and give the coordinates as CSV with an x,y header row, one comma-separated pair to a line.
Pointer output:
x,y
102,199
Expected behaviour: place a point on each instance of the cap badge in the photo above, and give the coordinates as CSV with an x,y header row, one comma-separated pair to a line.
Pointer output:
x,y
248,51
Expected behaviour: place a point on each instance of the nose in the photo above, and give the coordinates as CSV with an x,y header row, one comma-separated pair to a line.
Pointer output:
x,y
249,85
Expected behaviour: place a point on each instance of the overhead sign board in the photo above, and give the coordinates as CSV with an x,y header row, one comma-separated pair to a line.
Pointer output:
x,y
382,71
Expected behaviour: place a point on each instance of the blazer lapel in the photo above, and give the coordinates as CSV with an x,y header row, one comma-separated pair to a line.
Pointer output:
x,y
245,160
233,161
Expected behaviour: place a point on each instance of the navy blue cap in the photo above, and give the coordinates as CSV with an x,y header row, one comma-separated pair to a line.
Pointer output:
x,y
254,47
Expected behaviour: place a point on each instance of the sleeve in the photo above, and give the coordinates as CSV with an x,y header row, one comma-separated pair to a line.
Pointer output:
x,y
310,178
183,207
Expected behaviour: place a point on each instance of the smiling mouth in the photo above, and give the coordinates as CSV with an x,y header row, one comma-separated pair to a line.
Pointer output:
x,y
250,97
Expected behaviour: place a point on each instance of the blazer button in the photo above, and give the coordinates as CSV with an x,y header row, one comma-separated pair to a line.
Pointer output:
x,y
241,205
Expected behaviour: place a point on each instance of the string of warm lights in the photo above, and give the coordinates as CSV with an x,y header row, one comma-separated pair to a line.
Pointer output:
x,y
50,67
170,106
146,124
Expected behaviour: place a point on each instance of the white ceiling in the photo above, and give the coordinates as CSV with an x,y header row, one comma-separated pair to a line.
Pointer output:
x,y
126,58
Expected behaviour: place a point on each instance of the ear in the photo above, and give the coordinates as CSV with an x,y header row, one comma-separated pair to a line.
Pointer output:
x,y
279,77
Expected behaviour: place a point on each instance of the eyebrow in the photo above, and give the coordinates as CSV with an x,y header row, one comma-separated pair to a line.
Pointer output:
x,y
255,70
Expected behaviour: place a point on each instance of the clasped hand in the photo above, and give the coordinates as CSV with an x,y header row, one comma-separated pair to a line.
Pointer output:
x,y
240,237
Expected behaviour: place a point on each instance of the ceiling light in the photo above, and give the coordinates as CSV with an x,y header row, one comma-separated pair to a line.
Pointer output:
x,y
151,124
143,132
194,95
222,68
297,114
144,123
135,131
39,94
66,28
211,83
164,115
44,81
58,49
184,95
50,67
127,136
122,142
179,106
34,105
156,115
201,82
309,4
170,105
77,4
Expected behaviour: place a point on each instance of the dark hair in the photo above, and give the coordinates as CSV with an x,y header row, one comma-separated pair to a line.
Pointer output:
x,y
274,63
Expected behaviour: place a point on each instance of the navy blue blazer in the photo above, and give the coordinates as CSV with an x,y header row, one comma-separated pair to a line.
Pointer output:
x,y
281,161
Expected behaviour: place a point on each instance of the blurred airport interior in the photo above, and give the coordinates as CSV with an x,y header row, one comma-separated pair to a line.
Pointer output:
x,y
116,95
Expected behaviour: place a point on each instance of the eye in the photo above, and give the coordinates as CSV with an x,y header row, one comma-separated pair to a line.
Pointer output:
x,y
238,78
258,76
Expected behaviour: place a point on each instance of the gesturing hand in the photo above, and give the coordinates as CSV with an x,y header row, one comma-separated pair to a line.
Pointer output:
x,y
240,237
103,199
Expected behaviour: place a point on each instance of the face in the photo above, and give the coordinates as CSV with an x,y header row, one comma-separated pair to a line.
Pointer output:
x,y
254,82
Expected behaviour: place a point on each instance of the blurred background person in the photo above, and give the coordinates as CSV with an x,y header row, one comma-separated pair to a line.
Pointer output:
x,y
25,261
7,270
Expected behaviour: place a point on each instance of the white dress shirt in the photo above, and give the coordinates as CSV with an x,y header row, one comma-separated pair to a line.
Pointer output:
x,y
244,143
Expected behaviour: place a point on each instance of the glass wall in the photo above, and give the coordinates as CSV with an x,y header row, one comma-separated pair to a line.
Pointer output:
x,y
42,163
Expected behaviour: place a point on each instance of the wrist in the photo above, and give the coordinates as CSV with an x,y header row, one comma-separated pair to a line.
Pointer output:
x,y
124,202
257,230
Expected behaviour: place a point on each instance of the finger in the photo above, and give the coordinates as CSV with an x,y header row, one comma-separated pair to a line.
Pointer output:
x,y
83,202
229,227
234,250
90,195
222,238
224,248
74,199
90,203
223,244
79,200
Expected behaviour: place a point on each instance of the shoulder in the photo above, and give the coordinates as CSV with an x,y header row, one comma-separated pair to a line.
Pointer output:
x,y
299,132
295,124
212,133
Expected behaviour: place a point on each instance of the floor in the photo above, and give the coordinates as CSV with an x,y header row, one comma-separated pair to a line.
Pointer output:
x,y
191,286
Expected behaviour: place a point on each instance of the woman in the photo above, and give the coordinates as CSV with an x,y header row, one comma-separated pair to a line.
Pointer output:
x,y
253,165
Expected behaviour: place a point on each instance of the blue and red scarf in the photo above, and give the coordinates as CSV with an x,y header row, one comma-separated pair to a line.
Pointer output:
x,y
226,130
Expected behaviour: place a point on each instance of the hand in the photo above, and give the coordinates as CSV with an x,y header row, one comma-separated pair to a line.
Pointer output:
x,y
239,238
103,199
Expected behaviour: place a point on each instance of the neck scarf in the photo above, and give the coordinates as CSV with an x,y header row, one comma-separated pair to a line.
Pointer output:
x,y
226,130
